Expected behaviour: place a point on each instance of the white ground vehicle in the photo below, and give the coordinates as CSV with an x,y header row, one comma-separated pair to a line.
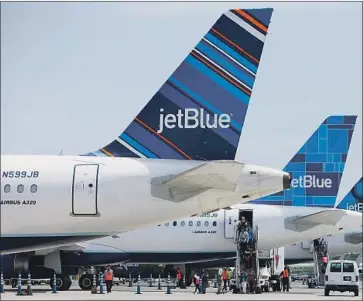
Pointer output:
x,y
342,276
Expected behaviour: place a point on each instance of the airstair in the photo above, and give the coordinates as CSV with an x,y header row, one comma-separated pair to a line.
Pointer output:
x,y
319,250
246,259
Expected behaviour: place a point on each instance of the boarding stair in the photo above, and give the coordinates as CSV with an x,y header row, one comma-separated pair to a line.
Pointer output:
x,y
246,259
319,250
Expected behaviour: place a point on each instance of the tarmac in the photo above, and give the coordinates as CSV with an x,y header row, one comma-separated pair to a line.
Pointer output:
x,y
122,292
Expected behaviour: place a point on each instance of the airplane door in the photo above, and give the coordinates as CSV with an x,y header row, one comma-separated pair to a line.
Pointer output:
x,y
84,190
230,221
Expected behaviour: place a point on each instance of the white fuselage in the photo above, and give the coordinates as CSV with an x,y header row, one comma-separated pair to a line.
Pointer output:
x,y
337,245
212,233
52,200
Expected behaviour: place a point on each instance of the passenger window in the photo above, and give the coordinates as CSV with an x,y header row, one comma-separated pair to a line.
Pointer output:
x,y
167,224
33,188
174,223
182,223
7,188
198,223
348,268
336,267
214,224
190,223
20,188
206,223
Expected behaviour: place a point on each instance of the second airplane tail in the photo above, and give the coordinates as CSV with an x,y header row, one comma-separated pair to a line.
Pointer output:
x,y
199,112
354,199
318,166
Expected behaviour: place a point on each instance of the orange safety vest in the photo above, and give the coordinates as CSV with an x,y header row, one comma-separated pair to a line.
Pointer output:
x,y
225,275
285,274
109,275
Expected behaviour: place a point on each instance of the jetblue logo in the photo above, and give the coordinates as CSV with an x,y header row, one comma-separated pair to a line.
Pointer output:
x,y
191,119
311,181
356,207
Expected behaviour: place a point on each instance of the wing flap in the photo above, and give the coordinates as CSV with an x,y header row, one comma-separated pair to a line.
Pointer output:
x,y
306,222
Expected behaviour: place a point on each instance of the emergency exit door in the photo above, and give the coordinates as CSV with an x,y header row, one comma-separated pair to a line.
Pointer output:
x,y
230,221
85,184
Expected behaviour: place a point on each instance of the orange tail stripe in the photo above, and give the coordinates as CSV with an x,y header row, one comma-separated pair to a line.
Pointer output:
x,y
252,20
163,138
107,152
235,45
220,73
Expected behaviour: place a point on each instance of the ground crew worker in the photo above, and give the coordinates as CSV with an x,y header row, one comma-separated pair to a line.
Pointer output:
x,y
225,278
109,278
285,279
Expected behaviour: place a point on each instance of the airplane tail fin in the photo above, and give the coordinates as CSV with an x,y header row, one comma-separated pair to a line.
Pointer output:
x,y
199,112
354,199
318,166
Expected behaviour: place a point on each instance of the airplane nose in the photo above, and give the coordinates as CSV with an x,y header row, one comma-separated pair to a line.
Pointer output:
x,y
286,181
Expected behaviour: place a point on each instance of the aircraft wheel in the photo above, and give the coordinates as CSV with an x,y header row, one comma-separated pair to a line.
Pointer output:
x,y
85,282
63,282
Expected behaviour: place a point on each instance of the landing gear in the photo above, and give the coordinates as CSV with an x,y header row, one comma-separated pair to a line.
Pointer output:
x,y
85,282
63,282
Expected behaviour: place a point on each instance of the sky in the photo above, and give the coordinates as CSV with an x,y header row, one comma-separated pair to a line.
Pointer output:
x,y
74,75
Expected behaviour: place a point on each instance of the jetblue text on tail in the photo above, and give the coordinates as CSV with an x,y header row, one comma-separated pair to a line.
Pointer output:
x,y
193,118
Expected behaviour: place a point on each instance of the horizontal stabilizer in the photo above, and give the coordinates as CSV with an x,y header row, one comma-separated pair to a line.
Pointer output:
x,y
353,238
304,223
221,175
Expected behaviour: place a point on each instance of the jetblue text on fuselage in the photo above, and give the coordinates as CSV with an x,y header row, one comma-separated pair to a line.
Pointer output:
x,y
311,181
191,119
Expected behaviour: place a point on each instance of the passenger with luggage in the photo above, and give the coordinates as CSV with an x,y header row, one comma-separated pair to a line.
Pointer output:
x,y
244,282
196,280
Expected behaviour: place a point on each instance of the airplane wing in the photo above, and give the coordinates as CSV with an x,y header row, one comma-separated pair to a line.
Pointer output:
x,y
306,222
70,248
221,175
353,238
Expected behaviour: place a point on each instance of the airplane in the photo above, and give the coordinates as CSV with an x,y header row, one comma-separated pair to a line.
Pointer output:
x,y
338,244
175,159
210,236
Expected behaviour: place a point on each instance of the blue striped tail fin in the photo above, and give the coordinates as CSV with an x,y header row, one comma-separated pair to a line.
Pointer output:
x,y
199,112
354,199
318,166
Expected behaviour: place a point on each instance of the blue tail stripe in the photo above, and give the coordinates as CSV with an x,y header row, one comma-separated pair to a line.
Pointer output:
x,y
202,101
137,146
219,80
247,78
231,52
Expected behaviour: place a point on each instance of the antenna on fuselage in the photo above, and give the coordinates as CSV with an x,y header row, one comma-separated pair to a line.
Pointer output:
x,y
61,152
